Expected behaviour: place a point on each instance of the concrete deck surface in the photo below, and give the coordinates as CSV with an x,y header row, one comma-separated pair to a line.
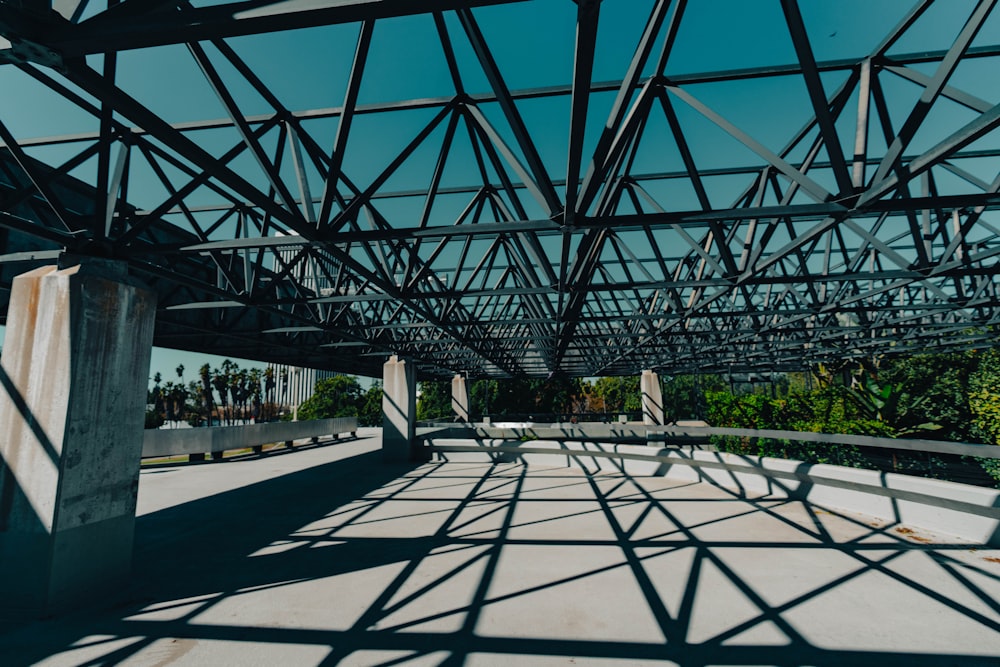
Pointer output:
x,y
326,556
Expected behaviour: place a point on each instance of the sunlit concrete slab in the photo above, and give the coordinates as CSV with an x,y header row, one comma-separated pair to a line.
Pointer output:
x,y
327,556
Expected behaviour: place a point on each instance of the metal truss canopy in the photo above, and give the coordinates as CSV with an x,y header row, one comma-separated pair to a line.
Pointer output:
x,y
509,188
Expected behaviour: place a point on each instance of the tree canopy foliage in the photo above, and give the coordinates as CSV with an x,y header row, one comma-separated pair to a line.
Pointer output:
x,y
338,396
953,396
342,396
984,396
533,398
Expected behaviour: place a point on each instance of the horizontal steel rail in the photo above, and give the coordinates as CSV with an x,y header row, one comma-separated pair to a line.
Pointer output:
x,y
218,439
658,435
907,444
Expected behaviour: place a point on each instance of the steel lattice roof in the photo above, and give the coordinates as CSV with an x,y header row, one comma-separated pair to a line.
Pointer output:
x,y
507,188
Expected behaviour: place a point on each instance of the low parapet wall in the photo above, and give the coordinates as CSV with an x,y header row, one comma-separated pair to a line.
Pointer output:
x,y
217,439
966,512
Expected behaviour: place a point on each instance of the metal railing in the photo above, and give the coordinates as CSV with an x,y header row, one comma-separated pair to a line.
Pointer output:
x,y
956,461
686,435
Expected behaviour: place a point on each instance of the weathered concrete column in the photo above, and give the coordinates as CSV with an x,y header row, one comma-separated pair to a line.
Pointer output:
x,y
460,398
72,395
652,398
399,409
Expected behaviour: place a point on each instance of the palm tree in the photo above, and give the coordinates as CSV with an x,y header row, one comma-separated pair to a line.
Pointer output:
x,y
220,380
205,372
255,393
284,387
195,391
236,381
178,397
269,387
168,403
156,394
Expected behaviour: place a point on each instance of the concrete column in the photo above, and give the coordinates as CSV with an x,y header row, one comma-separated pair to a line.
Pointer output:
x,y
460,398
72,395
399,409
652,399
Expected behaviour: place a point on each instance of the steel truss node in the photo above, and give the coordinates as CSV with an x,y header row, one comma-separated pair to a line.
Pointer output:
x,y
515,188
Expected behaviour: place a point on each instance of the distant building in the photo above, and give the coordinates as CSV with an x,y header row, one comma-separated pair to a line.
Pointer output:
x,y
295,384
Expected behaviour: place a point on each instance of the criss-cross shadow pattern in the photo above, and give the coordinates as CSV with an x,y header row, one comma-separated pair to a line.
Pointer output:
x,y
345,562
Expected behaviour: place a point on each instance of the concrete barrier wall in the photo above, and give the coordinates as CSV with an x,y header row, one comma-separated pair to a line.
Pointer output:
x,y
176,442
959,510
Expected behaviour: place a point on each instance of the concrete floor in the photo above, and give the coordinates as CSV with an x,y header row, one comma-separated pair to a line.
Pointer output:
x,y
326,556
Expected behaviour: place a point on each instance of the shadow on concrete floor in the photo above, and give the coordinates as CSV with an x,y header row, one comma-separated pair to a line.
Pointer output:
x,y
361,563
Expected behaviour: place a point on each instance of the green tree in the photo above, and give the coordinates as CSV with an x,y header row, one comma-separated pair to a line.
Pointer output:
x,y
338,396
684,396
155,395
926,395
482,397
153,419
434,402
984,405
513,396
207,403
175,397
984,397
255,392
193,413
827,410
370,409
555,396
220,381
237,383
558,395
619,394
270,384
